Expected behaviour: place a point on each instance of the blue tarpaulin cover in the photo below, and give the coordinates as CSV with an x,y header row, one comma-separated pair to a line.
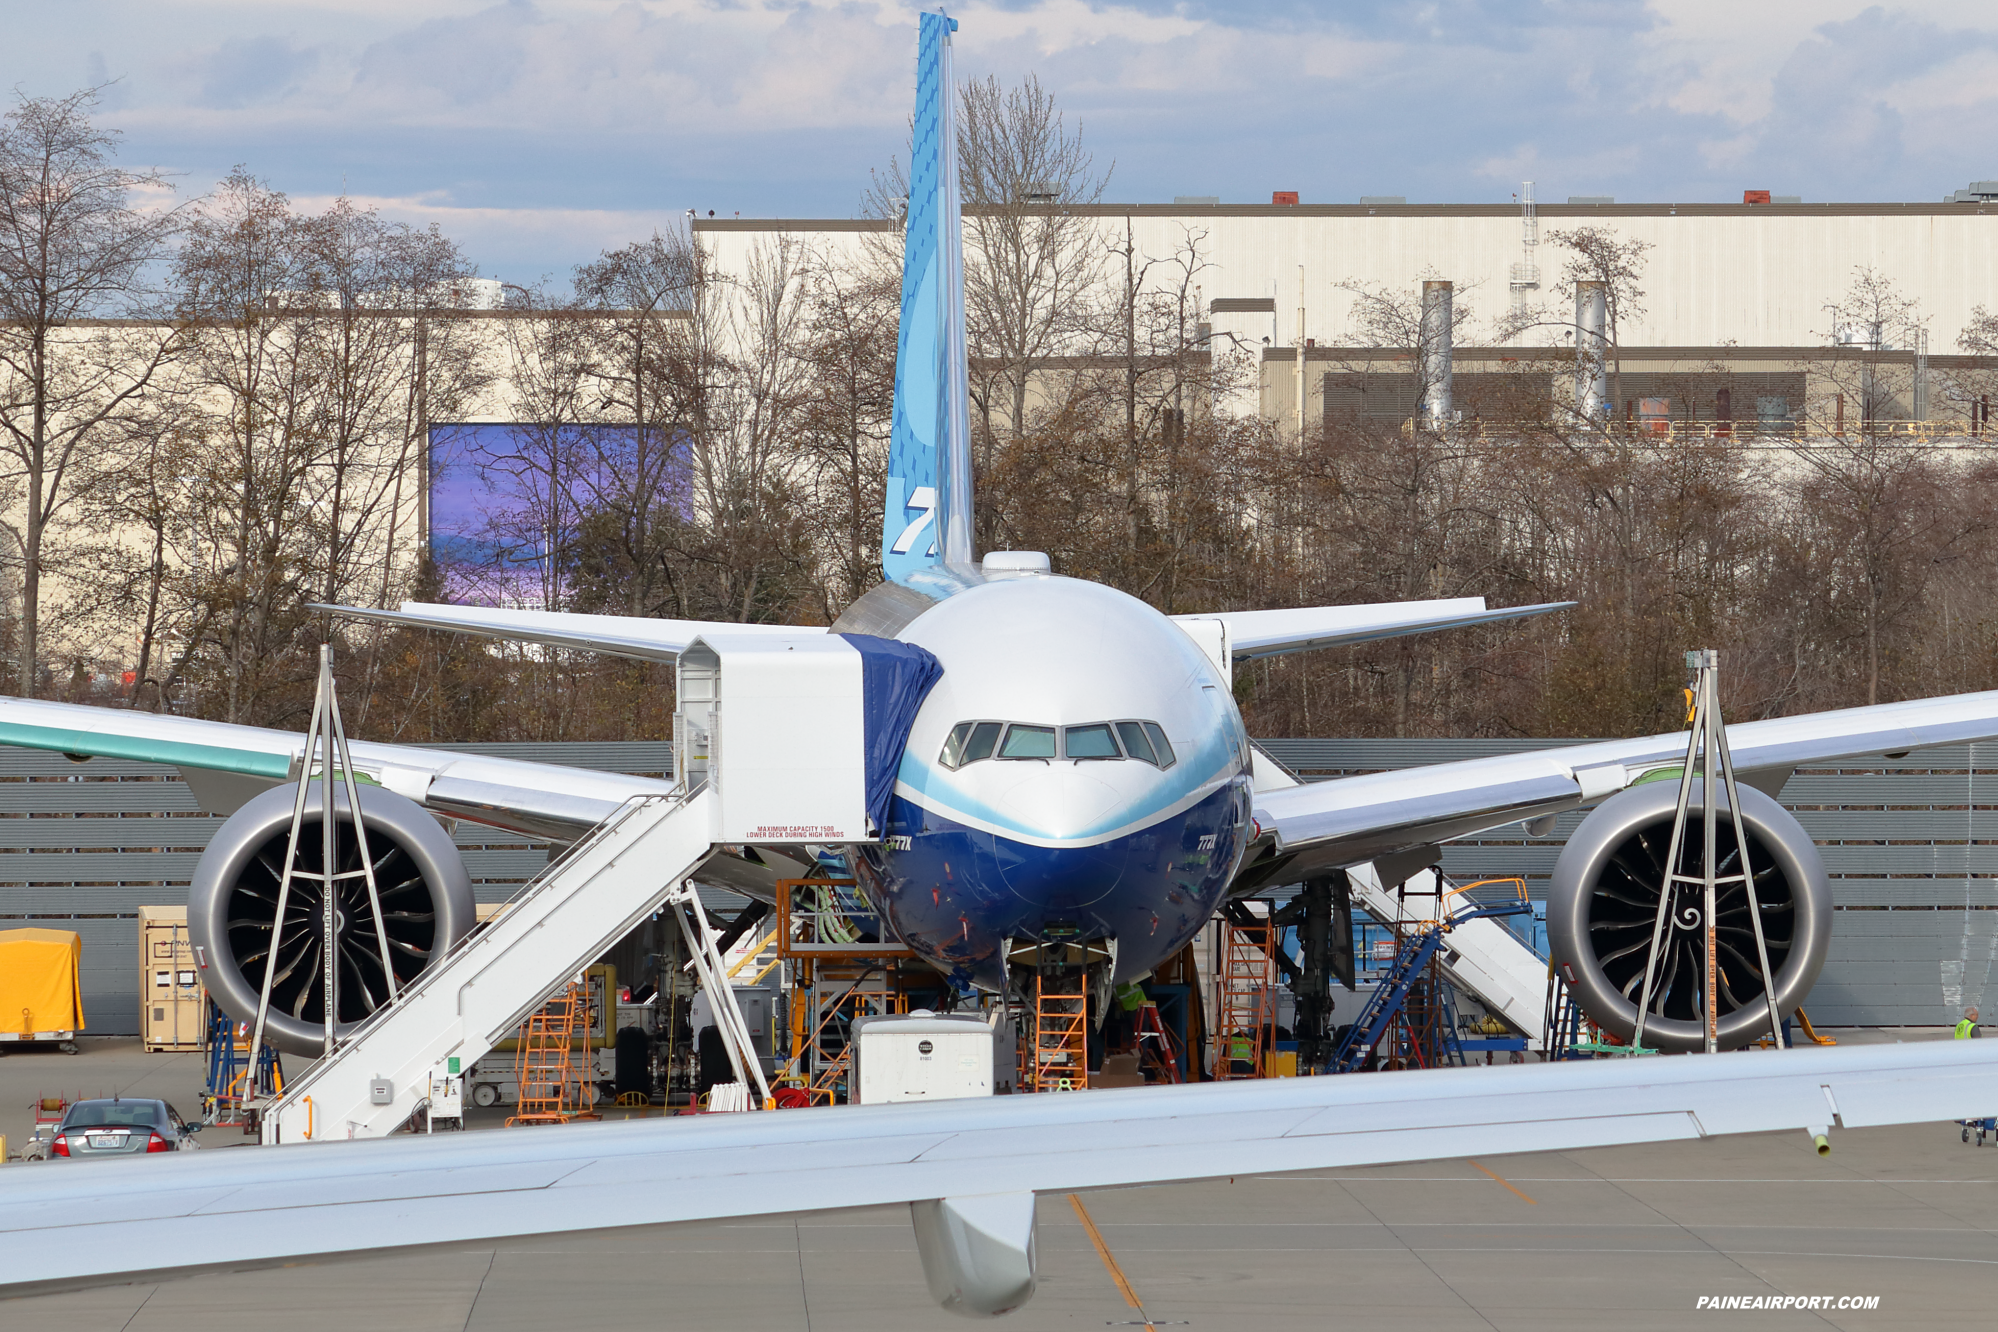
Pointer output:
x,y
895,678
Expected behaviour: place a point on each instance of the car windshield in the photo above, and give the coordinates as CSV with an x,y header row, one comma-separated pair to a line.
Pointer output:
x,y
1028,742
108,1114
1090,742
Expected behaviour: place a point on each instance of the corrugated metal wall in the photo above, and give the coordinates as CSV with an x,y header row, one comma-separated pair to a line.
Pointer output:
x,y
1911,846
84,845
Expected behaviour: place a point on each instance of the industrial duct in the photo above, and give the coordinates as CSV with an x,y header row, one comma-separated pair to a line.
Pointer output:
x,y
1592,352
1436,355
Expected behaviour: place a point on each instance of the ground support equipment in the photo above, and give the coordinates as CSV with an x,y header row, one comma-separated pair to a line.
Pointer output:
x,y
235,1088
1419,947
1709,763
1246,1020
551,1090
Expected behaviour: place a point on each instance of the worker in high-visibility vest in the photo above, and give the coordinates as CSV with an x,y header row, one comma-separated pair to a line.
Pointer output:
x,y
1967,1028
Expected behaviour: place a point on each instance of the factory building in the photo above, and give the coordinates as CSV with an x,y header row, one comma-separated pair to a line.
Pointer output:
x,y
1749,292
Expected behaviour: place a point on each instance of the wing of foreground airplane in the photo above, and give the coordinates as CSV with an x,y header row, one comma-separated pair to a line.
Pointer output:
x,y
615,635
1270,633
1353,819
95,1223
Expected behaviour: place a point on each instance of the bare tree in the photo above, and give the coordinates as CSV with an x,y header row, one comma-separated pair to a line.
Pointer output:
x,y
649,382
73,248
844,418
325,345
1603,256
1872,317
1033,261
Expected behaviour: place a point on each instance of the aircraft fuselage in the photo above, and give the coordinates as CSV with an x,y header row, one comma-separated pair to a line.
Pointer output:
x,y
1079,774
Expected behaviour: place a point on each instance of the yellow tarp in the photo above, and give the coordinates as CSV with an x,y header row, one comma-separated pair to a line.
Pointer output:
x,y
40,988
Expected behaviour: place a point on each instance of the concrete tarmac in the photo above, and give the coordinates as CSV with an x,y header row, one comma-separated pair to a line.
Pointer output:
x,y
1625,1238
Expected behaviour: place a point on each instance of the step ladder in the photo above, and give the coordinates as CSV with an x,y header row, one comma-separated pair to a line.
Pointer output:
x,y
479,994
544,1068
1484,957
232,1082
1057,1051
1418,946
1565,1026
1449,1045
1248,996
1156,1047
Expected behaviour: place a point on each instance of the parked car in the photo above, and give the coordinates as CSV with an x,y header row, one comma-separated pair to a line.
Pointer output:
x,y
121,1126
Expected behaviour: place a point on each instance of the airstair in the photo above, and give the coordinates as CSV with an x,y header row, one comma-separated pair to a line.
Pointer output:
x,y
793,769
1481,955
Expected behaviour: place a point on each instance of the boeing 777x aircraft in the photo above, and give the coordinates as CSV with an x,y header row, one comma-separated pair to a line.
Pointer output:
x,y
1077,773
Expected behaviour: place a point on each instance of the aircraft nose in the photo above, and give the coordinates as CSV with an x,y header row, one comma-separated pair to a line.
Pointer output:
x,y
1061,799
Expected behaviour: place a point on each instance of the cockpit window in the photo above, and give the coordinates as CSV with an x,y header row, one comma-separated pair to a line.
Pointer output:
x,y
984,738
1089,742
969,742
1028,742
975,741
953,750
1136,743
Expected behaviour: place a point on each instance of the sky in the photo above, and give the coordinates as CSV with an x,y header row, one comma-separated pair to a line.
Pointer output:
x,y
540,132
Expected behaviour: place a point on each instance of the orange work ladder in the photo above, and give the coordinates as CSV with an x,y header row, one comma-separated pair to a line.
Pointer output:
x,y
1057,1055
544,1067
1248,996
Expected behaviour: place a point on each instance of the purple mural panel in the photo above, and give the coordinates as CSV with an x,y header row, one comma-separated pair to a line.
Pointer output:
x,y
508,498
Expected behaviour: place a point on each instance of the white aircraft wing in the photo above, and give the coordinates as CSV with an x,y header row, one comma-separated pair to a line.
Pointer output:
x,y
69,1224
1351,819
227,765
617,635
1269,633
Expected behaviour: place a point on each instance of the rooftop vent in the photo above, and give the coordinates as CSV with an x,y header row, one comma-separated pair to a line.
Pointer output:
x,y
1390,199
1196,200
1593,199
1755,196
1980,191
1786,198
1283,196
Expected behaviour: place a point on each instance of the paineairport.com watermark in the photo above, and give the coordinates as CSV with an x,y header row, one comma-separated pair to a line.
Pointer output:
x,y
1788,1302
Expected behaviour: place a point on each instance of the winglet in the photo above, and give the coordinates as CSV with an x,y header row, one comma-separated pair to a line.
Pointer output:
x,y
927,516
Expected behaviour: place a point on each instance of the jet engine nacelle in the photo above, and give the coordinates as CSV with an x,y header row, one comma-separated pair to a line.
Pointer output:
x,y
1602,908
420,879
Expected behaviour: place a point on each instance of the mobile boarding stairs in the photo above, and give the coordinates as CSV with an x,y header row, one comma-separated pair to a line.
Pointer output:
x,y
769,748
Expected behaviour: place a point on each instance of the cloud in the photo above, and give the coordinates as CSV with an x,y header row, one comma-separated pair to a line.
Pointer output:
x,y
253,71
575,117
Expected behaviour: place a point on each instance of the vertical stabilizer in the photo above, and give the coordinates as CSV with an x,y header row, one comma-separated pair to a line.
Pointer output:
x,y
927,519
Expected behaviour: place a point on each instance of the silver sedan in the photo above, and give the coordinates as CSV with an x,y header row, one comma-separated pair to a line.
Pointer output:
x,y
121,1127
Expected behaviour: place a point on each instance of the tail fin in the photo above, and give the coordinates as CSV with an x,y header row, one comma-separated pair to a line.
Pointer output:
x,y
927,519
